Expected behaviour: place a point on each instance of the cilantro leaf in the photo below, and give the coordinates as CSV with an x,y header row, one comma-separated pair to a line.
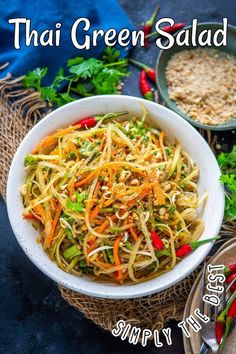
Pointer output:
x,y
87,77
75,61
230,207
59,78
48,94
229,181
87,148
78,206
227,161
107,81
33,78
87,68
138,130
83,90
111,55
64,98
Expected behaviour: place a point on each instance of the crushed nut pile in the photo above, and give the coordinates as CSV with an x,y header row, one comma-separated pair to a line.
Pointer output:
x,y
202,82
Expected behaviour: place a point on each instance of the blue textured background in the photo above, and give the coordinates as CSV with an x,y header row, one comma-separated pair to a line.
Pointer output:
x,y
44,14
33,317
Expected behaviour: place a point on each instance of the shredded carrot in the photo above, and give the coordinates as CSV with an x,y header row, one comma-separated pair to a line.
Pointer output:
x,y
91,242
109,172
131,229
111,177
66,149
96,190
30,216
98,222
49,238
100,229
133,233
97,209
139,197
132,190
103,142
116,257
104,265
118,140
54,152
63,132
52,139
48,141
39,210
117,167
116,151
156,142
159,194
72,147
115,187
53,202
91,246
85,180
156,188
72,187
103,226
108,202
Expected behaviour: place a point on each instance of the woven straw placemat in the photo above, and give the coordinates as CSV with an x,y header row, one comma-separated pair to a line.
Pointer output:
x,y
20,109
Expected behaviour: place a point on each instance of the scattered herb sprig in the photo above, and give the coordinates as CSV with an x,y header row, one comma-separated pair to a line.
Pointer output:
x,y
77,206
82,77
227,163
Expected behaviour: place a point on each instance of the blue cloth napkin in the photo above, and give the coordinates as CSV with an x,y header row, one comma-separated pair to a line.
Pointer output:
x,y
44,14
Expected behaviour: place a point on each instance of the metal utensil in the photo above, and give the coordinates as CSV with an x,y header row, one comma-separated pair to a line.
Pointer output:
x,y
207,331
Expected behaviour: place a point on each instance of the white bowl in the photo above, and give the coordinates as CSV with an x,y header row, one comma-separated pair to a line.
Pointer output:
x,y
168,121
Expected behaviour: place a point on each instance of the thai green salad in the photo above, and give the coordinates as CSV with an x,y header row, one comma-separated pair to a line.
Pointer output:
x,y
112,197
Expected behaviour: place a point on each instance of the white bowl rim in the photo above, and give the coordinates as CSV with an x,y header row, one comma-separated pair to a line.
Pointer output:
x,y
107,290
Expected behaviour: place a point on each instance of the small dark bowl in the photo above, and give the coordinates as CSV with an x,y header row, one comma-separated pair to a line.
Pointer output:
x,y
165,56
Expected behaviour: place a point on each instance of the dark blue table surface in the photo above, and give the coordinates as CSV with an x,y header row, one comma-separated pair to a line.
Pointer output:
x,y
33,316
